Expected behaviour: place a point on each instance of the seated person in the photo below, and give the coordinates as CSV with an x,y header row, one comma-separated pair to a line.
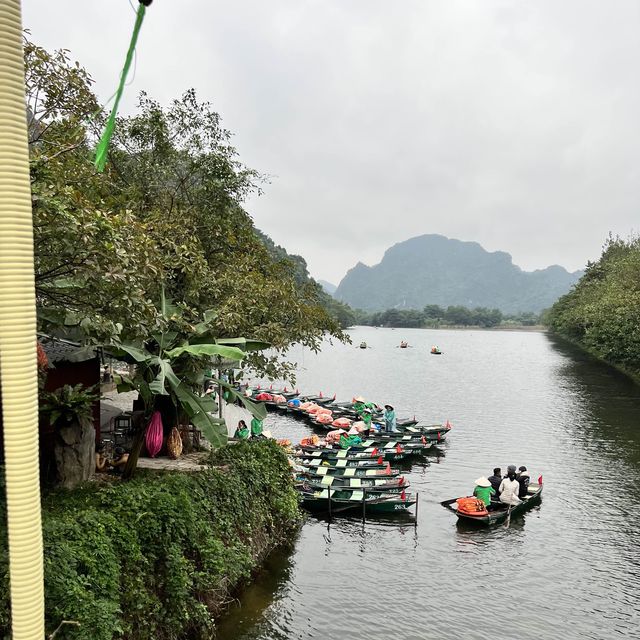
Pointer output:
x,y
101,459
256,428
483,490
242,431
120,460
523,479
495,481
509,488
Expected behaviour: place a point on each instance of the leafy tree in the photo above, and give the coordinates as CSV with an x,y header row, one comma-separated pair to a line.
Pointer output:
x,y
433,311
458,315
94,264
166,213
602,312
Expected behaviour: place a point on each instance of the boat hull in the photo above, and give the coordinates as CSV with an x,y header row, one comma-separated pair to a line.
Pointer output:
x,y
500,515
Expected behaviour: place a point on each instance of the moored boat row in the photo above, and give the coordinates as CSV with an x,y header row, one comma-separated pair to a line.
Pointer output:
x,y
350,470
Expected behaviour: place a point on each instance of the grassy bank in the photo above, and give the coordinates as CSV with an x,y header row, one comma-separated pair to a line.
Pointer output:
x,y
158,557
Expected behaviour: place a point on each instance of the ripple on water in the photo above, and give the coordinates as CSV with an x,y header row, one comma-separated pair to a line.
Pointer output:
x,y
569,568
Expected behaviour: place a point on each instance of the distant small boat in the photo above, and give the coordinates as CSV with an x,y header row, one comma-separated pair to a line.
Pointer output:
x,y
435,351
363,345
404,344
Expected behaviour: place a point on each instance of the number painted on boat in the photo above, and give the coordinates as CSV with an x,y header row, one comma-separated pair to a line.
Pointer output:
x,y
399,507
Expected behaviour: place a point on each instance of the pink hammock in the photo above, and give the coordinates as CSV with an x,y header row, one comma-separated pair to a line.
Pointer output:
x,y
153,437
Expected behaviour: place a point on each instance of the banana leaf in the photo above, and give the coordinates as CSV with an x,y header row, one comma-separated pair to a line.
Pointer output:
x,y
257,409
158,385
232,353
198,409
244,344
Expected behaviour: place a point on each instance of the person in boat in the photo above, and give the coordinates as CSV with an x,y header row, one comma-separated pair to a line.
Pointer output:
x,y
358,404
389,419
367,417
483,490
523,479
256,428
509,487
242,431
496,480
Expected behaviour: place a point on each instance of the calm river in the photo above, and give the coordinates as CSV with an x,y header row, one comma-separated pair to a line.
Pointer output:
x,y
567,569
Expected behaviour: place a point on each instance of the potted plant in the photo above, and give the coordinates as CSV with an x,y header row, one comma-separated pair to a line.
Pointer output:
x,y
70,413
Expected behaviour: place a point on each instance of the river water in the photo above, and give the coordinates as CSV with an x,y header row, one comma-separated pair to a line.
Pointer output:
x,y
569,568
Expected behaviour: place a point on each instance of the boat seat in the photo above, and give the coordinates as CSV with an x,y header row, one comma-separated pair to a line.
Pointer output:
x,y
357,495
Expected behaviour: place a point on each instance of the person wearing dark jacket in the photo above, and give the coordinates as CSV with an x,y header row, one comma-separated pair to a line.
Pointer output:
x,y
523,479
495,481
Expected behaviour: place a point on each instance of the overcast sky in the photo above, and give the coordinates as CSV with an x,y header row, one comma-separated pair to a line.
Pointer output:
x,y
512,123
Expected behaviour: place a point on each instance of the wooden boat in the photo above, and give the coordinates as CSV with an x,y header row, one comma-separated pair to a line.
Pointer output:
x,y
372,453
420,429
342,463
409,444
435,351
352,472
339,482
408,436
351,500
499,511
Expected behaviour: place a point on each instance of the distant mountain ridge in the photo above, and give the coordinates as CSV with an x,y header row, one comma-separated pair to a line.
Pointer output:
x,y
327,286
433,269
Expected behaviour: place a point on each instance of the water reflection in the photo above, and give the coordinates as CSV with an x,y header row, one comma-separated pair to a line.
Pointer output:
x,y
569,566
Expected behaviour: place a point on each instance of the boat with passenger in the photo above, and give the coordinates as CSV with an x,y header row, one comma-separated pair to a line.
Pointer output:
x,y
473,510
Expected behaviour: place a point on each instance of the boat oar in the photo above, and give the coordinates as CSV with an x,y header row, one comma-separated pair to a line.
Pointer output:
x,y
508,521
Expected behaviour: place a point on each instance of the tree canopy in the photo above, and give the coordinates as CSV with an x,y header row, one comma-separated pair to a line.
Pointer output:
x,y
602,312
167,213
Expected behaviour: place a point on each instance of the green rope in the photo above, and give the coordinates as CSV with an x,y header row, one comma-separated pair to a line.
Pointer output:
x,y
103,145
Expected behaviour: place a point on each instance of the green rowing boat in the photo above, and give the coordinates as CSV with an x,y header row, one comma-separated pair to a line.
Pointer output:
x,y
352,472
340,482
337,501
499,511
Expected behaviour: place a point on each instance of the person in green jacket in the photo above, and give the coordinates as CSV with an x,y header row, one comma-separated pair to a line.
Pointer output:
x,y
483,490
242,432
358,405
256,428
367,417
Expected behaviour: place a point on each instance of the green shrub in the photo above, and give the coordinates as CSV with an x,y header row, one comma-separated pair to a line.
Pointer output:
x,y
157,557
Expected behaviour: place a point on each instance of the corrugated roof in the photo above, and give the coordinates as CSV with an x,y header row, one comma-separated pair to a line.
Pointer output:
x,y
59,350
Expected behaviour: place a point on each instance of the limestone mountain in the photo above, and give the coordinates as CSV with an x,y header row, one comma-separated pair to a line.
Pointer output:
x,y
328,287
433,269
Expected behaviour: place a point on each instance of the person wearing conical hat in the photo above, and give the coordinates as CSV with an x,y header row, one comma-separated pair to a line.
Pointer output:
x,y
358,404
483,490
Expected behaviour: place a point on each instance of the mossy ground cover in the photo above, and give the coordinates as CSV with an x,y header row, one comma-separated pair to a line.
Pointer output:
x,y
157,557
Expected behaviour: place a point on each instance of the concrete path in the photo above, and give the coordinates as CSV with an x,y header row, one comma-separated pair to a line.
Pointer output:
x,y
186,462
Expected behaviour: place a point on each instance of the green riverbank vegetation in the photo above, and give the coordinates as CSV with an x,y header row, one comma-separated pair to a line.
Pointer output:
x,y
601,313
433,316
158,557
157,261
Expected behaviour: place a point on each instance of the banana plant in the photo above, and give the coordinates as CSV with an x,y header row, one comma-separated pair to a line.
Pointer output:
x,y
171,363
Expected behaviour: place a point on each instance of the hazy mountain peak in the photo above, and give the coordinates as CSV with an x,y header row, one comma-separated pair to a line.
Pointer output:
x,y
327,286
434,269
